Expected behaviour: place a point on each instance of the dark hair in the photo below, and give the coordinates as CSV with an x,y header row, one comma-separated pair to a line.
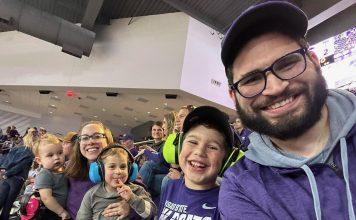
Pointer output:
x,y
272,26
157,123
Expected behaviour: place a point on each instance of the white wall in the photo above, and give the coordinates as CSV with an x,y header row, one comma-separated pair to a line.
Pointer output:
x,y
202,64
145,54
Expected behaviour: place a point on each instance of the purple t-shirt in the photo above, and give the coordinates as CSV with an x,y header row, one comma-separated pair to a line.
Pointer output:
x,y
77,190
180,202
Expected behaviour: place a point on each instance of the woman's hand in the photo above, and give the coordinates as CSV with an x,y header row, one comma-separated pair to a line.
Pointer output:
x,y
120,209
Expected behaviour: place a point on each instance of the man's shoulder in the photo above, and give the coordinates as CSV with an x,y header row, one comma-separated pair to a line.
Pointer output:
x,y
244,167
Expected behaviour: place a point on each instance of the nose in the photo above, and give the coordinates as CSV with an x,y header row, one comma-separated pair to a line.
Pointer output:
x,y
200,150
274,85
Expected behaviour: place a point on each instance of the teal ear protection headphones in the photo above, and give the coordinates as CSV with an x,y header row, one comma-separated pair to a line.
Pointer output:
x,y
97,169
204,115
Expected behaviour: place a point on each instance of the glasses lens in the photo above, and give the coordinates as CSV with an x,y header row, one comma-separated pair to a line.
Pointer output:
x,y
289,66
84,138
97,136
251,85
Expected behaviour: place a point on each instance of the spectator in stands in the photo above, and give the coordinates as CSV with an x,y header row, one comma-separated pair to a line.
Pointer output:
x,y
207,142
300,162
168,123
175,171
115,184
14,133
68,143
42,131
155,168
242,134
14,171
128,142
51,182
93,137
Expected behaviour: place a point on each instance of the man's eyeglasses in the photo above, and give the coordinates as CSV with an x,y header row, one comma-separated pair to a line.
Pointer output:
x,y
287,67
94,137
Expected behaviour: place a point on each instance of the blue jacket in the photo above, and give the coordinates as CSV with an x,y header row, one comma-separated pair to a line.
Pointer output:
x,y
17,162
268,184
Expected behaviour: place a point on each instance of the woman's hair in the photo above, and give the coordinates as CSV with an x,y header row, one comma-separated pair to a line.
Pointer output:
x,y
190,108
78,167
170,119
46,139
31,138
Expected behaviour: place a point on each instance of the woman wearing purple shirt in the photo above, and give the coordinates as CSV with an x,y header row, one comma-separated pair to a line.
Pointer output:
x,y
207,141
93,137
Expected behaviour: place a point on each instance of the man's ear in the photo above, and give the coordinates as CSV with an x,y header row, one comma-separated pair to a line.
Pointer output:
x,y
232,96
314,58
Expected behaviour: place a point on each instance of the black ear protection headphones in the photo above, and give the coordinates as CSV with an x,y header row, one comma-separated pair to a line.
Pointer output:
x,y
97,169
174,142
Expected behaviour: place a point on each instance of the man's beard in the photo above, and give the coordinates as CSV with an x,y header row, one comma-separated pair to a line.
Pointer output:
x,y
289,126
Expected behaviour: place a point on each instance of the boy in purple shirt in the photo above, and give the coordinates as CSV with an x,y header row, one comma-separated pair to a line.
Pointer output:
x,y
206,142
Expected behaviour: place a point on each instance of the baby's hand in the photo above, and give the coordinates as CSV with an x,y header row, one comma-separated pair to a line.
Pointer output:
x,y
124,191
64,215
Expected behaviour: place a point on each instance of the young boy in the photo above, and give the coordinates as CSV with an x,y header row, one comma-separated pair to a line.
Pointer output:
x,y
116,164
50,181
207,142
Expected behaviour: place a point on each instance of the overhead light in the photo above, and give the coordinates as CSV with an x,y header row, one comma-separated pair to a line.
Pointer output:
x,y
52,105
148,112
156,108
104,110
56,96
7,101
135,118
125,124
95,116
50,112
165,104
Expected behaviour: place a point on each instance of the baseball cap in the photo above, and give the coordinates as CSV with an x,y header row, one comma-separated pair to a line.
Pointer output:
x,y
126,137
70,136
284,14
210,115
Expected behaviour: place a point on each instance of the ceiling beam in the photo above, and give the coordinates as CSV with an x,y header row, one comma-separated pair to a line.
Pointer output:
x,y
196,14
91,13
328,13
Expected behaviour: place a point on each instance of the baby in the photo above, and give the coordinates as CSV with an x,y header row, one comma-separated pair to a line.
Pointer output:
x,y
50,181
116,172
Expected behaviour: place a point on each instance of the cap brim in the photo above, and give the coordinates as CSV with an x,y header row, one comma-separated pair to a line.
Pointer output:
x,y
260,15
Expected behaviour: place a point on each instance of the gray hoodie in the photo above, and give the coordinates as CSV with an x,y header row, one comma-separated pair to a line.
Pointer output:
x,y
342,117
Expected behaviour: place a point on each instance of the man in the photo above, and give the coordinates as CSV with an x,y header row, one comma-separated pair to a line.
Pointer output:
x,y
299,164
242,134
128,142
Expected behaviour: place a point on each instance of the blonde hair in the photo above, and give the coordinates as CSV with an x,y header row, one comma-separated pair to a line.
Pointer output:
x,y
30,138
46,139
170,119
78,167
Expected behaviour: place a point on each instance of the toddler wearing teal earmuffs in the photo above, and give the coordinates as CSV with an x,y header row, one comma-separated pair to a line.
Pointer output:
x,y
204,147
114,172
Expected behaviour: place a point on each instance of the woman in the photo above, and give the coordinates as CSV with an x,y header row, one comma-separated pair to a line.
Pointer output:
x,y
168,123
14,171
93,137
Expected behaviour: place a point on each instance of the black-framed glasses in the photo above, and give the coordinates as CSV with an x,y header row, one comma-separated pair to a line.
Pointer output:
x,y
287,67
94,137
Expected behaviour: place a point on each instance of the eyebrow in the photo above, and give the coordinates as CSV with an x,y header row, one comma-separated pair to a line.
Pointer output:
x,y
250,73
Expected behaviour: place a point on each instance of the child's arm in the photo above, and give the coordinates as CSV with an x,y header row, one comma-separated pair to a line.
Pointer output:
x,y
85,211
51,203
140,201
